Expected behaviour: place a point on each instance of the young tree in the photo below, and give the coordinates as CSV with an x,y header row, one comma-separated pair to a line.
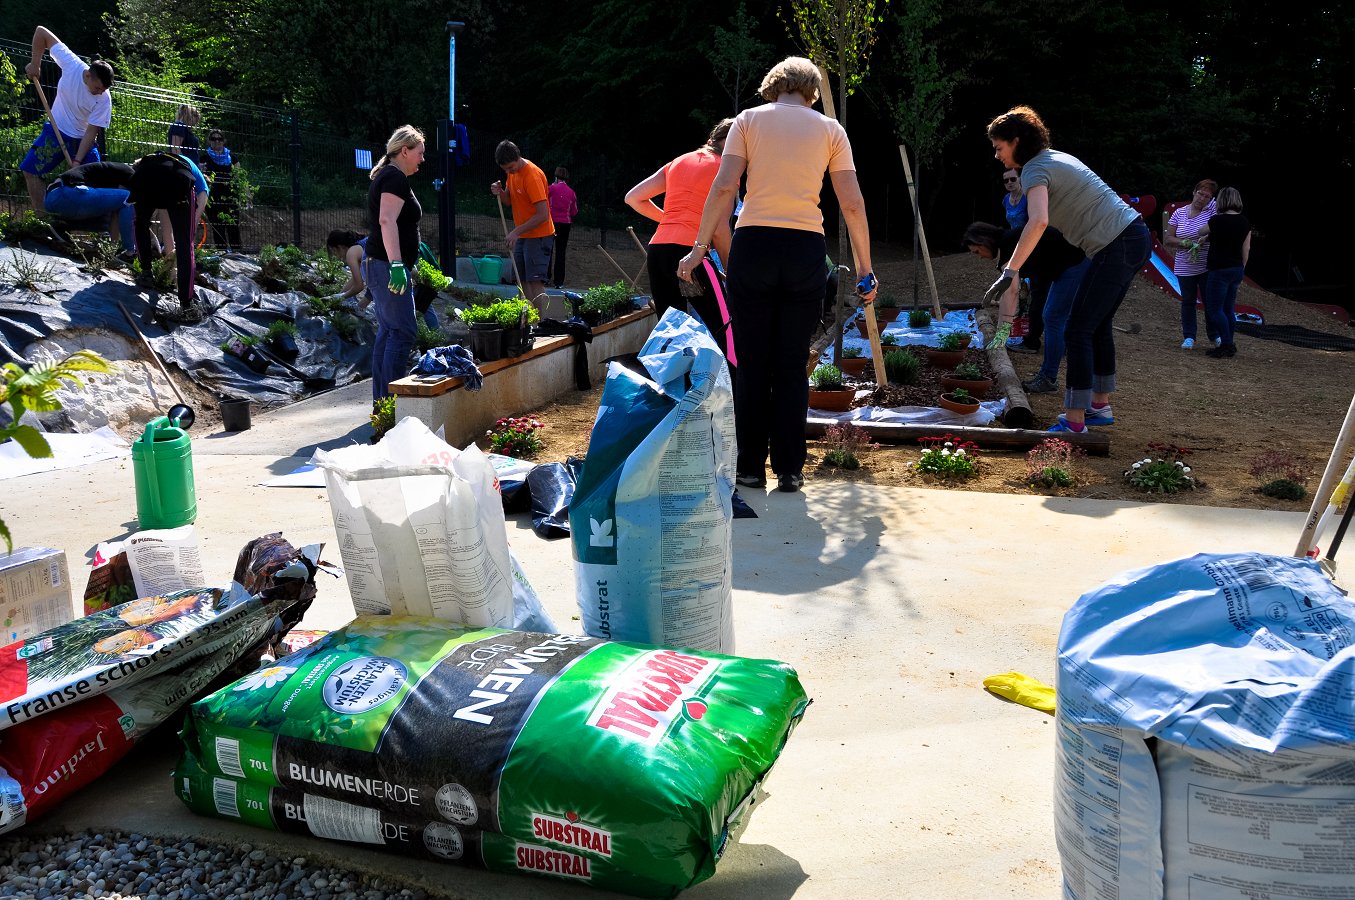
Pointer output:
x,y
838,35
738,56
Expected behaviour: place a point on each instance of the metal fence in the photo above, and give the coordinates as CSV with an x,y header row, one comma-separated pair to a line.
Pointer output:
x,y
297,182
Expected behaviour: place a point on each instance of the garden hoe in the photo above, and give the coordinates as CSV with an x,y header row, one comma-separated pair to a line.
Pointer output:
x,y
60,143
512,257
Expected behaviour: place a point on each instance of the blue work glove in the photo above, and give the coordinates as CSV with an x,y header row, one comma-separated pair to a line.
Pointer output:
x,y
1000,286
867,284
399,282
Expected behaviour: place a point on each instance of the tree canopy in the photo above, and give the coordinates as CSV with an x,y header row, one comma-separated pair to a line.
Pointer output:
x,y
1152,95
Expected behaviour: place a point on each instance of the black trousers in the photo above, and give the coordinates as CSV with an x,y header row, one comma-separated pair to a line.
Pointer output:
x,y
662,262
561,245
158,183
776,284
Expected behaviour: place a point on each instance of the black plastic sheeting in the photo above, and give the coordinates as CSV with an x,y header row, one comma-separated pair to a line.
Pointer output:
x,y
233,304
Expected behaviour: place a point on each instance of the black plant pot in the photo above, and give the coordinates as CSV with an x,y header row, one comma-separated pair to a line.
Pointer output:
x,y
255,359
517,341
284,345
486,341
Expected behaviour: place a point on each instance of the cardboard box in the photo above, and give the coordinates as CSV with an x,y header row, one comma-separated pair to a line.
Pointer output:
x,y
35,593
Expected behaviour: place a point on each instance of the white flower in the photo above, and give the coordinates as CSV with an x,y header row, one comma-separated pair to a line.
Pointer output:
x,y
1136,465
945,453
1186,469
959,452
1180,464
265,678
1147,461
949,444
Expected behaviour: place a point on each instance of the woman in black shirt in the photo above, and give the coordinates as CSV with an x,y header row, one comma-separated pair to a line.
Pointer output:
x,y
1229,236
392,251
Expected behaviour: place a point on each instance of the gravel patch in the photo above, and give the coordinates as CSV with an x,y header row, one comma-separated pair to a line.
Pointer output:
x,y
116,866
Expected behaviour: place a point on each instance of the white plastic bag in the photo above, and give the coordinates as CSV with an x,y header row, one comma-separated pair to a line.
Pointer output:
x,y
421,530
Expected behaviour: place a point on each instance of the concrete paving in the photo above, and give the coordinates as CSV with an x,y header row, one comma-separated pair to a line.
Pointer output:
x,y
905,778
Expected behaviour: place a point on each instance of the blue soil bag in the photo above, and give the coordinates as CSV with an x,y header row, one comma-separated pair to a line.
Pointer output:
x,y
651,518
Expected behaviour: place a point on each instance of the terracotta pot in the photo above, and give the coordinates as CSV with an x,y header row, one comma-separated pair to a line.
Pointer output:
x,y
963,409
887,313
831,401
978,388
854,367
879,322
965,338
944,359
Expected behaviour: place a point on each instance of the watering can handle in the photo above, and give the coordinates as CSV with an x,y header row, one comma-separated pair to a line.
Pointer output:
x,y
152,479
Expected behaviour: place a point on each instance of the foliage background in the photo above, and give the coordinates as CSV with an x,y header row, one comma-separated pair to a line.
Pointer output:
x,y
1152,95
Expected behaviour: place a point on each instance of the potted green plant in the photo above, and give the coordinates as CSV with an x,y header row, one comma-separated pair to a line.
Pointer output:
x,y
886,308
246,349
601,302
969,376
960,401
281,339
889,340
949,351
486,334
383,417
902,367
516,317
852,362
828,391
919,318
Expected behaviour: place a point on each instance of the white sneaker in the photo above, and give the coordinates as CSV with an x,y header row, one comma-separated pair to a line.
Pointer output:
x,y
1218,342
1188,344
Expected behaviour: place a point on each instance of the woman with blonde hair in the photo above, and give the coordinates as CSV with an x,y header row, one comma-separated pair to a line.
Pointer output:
x,y
182,142
684,183
394,213
776,271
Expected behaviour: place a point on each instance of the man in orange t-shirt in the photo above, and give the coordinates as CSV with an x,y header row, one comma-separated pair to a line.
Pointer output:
x,y
532,240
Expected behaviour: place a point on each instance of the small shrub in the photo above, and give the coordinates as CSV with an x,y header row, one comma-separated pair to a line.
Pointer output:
x,y
432,276
844,442
508,313
100,252
164,274
887,301
827,378
346,325
25,226
516,437
279,328
951,340
851,352
969,371
902,367
426,338
27,270
1282,474
207,262
889,340
950,461
1165,474
919,318
961,395
605,298
1050,464
383,417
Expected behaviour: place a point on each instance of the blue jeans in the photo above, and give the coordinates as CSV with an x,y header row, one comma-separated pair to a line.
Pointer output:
x,y
84,202
1220,301
1192,287
1058,306
395,327
1090,335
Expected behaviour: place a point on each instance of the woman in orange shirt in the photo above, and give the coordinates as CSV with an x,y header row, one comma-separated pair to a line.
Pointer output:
x,y
684,182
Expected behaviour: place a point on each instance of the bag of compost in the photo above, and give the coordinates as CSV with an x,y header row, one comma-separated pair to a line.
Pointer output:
x,y
651,517
551,741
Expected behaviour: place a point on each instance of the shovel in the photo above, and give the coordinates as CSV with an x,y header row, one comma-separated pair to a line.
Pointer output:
x,y
1132,329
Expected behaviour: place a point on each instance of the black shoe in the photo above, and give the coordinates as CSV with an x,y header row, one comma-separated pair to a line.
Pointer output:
x,y
756,481
1222,351
789,484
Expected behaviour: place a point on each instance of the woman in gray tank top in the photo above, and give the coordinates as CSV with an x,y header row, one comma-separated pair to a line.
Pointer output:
x,y
1063,193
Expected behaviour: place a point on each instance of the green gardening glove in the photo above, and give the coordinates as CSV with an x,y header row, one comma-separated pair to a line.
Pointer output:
x,y
399,282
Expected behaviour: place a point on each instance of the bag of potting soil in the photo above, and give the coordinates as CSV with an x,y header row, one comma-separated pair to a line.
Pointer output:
x,y
550,740
421,531
651,517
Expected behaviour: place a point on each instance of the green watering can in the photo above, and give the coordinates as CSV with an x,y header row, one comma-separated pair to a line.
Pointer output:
x,y
162,462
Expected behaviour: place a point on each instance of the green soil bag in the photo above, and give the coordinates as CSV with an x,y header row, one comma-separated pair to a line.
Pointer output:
x,y
618,764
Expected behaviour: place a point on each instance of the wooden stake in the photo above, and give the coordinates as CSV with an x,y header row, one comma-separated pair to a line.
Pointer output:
x,y
57,131
621,270
1322,496
922,235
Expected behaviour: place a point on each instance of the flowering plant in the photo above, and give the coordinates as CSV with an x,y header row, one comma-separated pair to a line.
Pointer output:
x,y
1282,474
1167,474
1050,464
950,461
844,441
516,437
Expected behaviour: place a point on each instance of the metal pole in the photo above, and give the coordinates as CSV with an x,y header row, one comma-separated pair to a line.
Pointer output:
x,y
296,178
446,185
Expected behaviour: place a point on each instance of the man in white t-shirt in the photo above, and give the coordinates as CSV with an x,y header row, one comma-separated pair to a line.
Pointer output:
x,y
81,109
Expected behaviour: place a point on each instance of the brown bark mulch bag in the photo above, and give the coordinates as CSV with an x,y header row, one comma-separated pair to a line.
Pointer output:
x,y
540,751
